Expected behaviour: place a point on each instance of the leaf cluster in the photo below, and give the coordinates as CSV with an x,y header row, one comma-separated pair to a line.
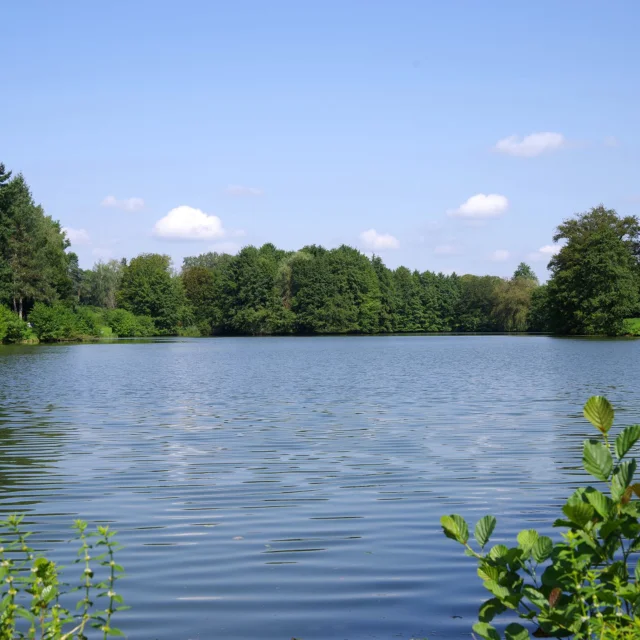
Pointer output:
x,y
585,586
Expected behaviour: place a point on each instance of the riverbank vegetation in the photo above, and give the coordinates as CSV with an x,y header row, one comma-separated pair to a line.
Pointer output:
x,y
45,295
581,587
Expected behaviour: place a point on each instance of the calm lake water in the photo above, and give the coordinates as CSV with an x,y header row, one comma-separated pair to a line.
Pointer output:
x,y
275,487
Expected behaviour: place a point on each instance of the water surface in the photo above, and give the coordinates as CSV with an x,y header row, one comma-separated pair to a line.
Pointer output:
x,y
275,487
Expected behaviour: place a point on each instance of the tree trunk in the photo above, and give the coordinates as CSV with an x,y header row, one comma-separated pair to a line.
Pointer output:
x,y
20,308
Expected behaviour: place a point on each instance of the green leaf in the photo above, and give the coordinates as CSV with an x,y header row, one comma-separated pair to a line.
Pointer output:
x,y
597,460
601,503
490,609
455,528
516,631
527,538
534,596
579,514
484,529
498,591
498,551
542,549
599,412
112,631
626,439
621,479
637,571
488,572
609,527
486,631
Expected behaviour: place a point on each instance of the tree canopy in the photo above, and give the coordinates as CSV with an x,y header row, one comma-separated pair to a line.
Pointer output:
x,y
594,284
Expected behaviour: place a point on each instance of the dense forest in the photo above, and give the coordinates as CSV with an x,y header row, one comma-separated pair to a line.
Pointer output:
x,y
594,287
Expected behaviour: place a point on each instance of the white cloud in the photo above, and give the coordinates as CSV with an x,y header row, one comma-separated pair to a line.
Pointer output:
x,y
446,250
225,247
374,240
545,252
126,204
482,206
187,223
241,190
531,145
500,255
77,236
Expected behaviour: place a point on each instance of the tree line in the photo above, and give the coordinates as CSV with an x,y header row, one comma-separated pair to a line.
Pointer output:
x,y
594,287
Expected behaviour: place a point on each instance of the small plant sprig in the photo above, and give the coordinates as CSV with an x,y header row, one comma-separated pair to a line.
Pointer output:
x,y
115,571
31,587
582,587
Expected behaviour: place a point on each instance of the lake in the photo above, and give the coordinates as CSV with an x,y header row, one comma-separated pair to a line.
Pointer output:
x,y
275,487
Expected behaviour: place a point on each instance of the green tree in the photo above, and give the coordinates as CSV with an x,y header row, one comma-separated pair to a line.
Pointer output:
x,y
512,303
33,262
523,270
448,297
408,289
100,285
388,316
201,290
475,303
594,281
212,261
76,277
149,288
538,320
336,291
250,299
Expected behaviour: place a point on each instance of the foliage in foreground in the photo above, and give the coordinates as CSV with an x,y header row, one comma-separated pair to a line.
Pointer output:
x,y
34,598
581,587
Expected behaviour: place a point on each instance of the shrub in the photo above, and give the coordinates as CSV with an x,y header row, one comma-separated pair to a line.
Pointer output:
x,y
582,586
191,331
12,328
145,327
89,321
32,590
127,325
55,323
631,327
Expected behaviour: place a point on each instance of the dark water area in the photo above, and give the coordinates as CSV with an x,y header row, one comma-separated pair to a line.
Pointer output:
x,y
266,488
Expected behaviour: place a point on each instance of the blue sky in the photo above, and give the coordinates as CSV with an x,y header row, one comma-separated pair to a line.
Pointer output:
x,y
147,126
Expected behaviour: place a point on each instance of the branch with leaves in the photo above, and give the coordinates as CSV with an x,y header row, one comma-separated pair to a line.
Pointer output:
x,y
582,587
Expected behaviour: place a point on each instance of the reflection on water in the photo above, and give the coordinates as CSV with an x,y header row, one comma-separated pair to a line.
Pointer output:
x,y
273,487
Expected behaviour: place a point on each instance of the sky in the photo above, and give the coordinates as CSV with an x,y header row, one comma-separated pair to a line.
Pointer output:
x,y
449,136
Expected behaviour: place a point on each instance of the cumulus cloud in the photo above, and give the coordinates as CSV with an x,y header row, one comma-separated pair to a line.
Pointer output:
x,y
126,204
545,252
532,145
77,236
187,223
500,255
374,240
241,190
482,206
